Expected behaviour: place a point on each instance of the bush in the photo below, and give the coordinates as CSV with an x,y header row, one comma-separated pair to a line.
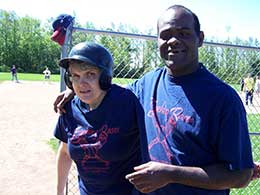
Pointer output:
x,y
5,68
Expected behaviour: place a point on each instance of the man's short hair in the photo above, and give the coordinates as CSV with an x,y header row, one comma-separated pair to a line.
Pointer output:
x,y
195,17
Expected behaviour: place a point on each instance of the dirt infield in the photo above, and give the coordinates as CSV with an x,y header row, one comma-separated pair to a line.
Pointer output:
x,y
27,119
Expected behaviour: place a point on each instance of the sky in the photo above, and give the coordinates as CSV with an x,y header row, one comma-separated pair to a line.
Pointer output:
x,y
221,19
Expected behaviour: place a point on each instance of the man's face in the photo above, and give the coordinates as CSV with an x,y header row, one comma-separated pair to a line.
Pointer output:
x,y
178,42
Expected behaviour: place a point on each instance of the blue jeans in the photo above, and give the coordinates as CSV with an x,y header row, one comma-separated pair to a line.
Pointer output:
x,y
249,95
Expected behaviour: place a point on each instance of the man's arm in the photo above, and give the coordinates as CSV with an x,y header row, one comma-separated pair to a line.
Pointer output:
x,y
63,166
62,99
154,175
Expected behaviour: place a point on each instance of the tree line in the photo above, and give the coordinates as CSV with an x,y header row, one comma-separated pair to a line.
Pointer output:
x,y
26,42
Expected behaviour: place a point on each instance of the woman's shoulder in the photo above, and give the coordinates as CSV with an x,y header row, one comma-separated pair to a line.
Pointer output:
x,y
121,95
120,91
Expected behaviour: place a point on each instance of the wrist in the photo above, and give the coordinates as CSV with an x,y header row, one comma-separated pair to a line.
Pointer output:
x,y
171,173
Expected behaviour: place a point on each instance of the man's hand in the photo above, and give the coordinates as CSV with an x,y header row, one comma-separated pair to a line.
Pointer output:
x,y
256,173
149,176
154,175
61,100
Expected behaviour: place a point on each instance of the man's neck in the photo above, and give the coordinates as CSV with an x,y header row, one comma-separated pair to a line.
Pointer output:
x,y
184,71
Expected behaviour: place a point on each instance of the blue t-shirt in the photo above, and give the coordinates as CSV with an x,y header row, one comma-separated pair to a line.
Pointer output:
x,y
193,120
104,143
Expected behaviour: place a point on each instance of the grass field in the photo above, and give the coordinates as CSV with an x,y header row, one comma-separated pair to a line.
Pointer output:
x,y
253,122
6,76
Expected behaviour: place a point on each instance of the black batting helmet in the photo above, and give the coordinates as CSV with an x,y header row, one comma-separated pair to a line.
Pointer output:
x,y
92,54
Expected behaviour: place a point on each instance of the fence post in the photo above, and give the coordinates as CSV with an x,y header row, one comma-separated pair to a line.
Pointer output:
x,y
64,53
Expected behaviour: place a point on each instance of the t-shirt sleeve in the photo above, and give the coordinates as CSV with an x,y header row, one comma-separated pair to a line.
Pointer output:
x,y
137,88
134,87
60,130
234,146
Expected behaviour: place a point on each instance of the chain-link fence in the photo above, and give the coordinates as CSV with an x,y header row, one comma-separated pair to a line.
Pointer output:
x,y
136,54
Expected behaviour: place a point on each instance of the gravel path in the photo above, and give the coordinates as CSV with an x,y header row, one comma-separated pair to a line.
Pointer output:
x,y
27,119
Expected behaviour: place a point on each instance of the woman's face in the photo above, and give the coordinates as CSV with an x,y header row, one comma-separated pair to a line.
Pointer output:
x,y
85,82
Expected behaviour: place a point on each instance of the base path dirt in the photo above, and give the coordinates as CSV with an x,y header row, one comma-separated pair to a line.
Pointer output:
x,y
27,120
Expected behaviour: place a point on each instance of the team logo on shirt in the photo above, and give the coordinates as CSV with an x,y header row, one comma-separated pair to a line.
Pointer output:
x,y
165,120
90,142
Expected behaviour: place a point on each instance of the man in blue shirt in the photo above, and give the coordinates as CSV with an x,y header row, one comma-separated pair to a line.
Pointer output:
x,y
196,126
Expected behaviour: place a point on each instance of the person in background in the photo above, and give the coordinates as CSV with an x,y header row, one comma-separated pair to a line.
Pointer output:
x,y
99,131
249,89
14,74
257,85
195,123
47,74
242,83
